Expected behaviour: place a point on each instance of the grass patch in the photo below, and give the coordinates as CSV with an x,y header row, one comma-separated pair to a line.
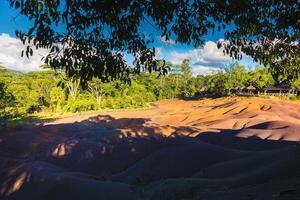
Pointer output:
x,y
41,117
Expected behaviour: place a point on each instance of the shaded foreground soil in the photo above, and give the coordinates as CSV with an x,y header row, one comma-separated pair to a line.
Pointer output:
x,y
227,148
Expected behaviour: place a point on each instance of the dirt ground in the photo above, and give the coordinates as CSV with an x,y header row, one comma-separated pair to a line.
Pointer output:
x,y
225,148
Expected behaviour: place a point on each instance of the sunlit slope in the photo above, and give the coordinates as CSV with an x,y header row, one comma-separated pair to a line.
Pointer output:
x,y
225,148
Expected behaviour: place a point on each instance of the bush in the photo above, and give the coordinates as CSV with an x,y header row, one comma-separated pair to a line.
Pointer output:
x,y
85,102
11,112
57,99
293,98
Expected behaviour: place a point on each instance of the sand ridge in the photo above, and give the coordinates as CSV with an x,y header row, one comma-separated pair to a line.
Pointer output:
x,y
224,148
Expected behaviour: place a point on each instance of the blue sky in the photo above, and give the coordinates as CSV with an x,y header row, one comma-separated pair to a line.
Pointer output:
x,y
204,60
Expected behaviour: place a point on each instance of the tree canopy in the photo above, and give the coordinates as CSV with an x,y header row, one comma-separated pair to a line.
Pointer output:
x,y
89,38
34,92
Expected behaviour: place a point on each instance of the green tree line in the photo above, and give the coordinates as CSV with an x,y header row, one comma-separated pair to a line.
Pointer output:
x,y
47,91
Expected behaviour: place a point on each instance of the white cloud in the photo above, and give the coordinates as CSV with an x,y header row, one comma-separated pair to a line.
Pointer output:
x,y
208,54
202,70
10,55
178,57
166,41
206,60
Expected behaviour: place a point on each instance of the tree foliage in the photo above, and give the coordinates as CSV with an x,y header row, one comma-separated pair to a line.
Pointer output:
x,y
296,84
261,77
94,35
236,76
6,98
22,94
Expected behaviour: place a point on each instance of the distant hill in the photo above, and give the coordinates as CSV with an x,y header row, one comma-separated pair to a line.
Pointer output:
x,y
6,70
6,73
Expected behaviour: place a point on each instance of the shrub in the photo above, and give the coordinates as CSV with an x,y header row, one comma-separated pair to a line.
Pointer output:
x,y
84,102
293,98
57,99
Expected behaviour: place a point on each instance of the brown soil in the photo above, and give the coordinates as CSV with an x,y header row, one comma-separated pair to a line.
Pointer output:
x,y
226,148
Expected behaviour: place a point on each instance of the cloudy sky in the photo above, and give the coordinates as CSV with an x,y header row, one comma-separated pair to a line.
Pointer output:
x,y
205,60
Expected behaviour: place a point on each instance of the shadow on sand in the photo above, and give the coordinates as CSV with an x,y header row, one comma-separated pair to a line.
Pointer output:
x,y
130,158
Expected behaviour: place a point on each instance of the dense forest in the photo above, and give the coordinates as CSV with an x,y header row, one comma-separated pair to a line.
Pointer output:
x,y
49,91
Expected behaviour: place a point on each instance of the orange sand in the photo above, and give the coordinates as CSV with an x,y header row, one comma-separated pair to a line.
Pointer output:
x,y
226,148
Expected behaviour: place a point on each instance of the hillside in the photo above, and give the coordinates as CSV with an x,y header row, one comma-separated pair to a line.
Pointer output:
x,y
6,70
224,148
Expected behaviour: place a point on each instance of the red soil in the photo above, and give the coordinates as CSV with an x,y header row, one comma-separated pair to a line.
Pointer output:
x,y
226,148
